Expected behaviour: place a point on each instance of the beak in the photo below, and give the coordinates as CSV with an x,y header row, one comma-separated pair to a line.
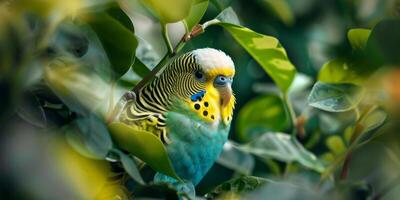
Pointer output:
x,y
223,85
225,94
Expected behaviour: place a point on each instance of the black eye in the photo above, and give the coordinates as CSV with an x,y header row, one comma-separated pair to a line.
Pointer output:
x,y
198,75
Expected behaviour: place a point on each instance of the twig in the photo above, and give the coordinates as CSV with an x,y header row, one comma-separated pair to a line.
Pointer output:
x,y
352,146
197,30
152,74
346,166
358,130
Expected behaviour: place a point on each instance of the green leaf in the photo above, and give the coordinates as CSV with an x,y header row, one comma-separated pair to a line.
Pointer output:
x,y
235,159
358,38
129,165
259,115
228,15
267,51
288,188
48,9
335,97
282,147
76,140
281,9
169,11
140,69
336,145
221,4
89,137
116,34
197,11
356,68
340,71
95,135
371,123
383,44
31,111
238,185
334,122
143,145
115,11
78,86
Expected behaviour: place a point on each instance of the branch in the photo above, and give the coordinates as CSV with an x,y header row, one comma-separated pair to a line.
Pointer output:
x,y
346,157
358,130
197,30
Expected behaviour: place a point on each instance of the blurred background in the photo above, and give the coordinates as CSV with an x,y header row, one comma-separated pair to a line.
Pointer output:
x,y
65,64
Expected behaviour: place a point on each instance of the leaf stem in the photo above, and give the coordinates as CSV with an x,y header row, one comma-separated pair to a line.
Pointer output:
x,y
287,170
166,38
209,23
290,111
292,120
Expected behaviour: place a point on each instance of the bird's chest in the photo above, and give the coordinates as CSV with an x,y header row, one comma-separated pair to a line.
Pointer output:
x,y
193,158
195,145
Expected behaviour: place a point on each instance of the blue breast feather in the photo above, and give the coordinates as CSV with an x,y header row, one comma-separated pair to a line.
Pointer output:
x,y
194,148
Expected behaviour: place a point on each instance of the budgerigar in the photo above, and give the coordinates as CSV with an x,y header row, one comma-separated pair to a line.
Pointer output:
x,y
189,106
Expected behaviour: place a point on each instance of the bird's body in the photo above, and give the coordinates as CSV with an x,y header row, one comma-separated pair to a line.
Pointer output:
x,y
189,107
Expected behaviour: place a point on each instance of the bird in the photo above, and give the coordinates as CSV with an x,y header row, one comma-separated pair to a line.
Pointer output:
x,y
189,107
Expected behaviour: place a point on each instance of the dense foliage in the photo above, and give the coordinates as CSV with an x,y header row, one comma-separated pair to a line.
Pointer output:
x,y
317,88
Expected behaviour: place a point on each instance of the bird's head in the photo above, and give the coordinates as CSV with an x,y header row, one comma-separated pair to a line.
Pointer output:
x,y
205,76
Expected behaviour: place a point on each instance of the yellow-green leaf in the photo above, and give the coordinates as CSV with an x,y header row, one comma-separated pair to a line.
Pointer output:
x,y
267,51
261,114
281,9
143,145
336,145
340,71
358,37
372,123
169,11
199,7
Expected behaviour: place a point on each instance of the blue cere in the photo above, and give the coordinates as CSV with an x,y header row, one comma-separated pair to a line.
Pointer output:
x,y
198,96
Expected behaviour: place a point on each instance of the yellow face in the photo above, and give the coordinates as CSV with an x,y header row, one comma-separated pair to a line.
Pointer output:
x,y
216,102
